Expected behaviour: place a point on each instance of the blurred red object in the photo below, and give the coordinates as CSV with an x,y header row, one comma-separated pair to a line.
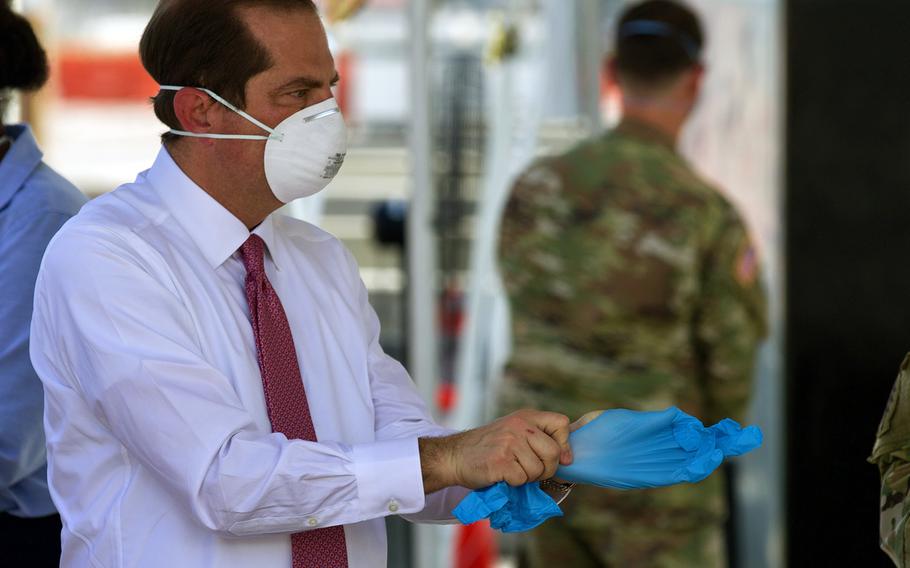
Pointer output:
x,y
104,76
446,396
451,315
345,62
475,546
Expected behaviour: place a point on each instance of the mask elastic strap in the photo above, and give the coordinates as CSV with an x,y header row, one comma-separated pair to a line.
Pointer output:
x,y
223,101
221,136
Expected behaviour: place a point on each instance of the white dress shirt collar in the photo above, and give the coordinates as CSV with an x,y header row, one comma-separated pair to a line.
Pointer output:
x,y
212,228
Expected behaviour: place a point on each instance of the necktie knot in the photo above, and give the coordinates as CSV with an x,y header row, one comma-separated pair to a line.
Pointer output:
x,y
253,253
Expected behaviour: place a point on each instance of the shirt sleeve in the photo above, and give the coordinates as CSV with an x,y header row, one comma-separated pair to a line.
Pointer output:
x,y
22,245
402,415
731,321
105,327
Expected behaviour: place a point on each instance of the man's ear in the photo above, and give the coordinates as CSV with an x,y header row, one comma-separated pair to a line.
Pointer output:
x,y
193,109
611,74
694,80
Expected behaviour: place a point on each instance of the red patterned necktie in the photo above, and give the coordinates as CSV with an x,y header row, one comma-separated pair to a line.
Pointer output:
x,y
285,396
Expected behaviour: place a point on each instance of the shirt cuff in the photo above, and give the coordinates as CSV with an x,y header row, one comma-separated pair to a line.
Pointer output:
x,y
389,478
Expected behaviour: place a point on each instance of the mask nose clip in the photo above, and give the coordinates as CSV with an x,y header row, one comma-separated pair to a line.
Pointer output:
x,y
322,114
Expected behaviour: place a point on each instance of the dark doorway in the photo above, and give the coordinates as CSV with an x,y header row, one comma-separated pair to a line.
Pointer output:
x,y
848,264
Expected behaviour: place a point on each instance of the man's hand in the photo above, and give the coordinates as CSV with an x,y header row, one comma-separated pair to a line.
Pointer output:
x,y
522,447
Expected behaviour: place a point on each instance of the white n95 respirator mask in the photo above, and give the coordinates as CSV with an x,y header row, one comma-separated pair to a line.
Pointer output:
x,y
302,154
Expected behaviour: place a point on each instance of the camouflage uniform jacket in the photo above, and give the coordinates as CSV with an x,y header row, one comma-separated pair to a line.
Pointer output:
x,y
892,455
632,283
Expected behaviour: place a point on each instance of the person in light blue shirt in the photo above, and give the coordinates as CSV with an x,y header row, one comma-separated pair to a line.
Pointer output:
x,y
35,202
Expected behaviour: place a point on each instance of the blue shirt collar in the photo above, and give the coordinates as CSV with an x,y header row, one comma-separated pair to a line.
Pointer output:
x,y
19,163
212,228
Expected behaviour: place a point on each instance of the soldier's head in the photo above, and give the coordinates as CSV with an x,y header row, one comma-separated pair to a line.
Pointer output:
x,y
657,57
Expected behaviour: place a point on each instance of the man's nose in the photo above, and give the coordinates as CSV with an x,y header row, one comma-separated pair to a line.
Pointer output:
x,y
322,95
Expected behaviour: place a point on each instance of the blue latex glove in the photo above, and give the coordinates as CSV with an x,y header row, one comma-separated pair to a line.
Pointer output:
x,y
510,509
733,440
622,449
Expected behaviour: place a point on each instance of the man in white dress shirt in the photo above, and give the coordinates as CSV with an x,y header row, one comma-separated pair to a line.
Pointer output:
x,y
216,393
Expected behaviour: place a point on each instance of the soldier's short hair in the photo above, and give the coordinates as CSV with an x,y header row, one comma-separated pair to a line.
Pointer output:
x,y
656,40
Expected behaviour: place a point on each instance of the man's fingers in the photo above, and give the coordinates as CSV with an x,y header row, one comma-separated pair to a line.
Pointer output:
x,y
515,475
529,461
547,450
557,427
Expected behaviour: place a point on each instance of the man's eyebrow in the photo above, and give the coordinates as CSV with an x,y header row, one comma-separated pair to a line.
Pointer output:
x,y
307,83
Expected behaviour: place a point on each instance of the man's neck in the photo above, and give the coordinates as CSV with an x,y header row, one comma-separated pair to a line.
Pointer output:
x,y
250,208
665,116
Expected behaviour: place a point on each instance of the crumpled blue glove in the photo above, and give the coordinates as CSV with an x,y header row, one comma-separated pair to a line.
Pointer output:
x,y
510,509
734,440
622,449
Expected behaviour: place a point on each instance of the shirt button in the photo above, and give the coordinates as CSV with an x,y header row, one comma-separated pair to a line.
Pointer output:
x,y
393,506
312,521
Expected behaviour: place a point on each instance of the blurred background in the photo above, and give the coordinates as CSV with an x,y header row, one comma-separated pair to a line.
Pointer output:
x,y
805,122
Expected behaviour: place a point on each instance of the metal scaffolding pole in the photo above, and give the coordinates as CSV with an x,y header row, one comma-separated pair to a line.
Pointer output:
x,y
421,236
590,48
421,241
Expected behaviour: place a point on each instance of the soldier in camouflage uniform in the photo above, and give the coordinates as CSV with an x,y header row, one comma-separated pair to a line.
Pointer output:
x,y
892,455
633,283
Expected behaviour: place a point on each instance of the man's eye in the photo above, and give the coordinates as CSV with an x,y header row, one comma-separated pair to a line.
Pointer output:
x,y
302,94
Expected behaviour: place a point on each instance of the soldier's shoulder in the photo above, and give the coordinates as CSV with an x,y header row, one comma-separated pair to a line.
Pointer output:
x,y
693,184
591,153
545,172
655,163
894,429
712,202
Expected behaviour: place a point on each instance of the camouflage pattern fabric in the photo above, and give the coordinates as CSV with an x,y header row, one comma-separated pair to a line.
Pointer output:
x,y
633,283
892,455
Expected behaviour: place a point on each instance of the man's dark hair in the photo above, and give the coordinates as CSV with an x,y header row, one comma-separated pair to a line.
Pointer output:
x,y
204,43
23,63
656,40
